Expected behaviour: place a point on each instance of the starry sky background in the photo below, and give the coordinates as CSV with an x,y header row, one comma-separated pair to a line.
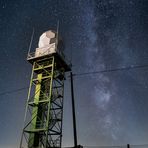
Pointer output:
x,y
112,107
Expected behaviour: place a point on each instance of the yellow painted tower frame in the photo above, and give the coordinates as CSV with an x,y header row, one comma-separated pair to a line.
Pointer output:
x,y
44,107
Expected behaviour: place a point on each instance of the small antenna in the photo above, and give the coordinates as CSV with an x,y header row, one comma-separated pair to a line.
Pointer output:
x,y
31,41
58,27
57,33
71,54
57,36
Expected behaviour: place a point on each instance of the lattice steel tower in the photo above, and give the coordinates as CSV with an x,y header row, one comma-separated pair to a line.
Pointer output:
x,y
44,108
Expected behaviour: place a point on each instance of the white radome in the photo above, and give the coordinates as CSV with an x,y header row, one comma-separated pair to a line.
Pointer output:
x,y
47,44
45,38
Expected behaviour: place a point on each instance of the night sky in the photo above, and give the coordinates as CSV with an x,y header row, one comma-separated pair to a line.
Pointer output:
x,y
111,107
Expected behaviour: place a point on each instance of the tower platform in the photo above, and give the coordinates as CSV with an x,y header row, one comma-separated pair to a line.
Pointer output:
x,y
62,60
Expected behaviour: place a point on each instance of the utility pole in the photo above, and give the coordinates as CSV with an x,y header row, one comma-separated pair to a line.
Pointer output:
x,y
73,111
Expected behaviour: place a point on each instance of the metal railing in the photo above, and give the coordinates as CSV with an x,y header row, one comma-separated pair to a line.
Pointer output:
x,y
39,54
33,55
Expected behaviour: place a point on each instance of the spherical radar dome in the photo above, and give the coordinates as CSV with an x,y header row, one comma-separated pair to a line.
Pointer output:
x,y
46,38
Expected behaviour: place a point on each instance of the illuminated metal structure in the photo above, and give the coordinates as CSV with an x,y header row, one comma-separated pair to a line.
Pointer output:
x,y
44,108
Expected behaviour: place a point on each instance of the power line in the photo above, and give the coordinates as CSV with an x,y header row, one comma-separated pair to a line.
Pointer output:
x,y
112,70
87,73
13,91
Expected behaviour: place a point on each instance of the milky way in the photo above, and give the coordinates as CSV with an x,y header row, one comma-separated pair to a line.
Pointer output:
x,y
111,32
111,107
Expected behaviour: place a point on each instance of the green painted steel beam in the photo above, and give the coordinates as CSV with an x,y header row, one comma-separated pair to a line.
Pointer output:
x,y
34,137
